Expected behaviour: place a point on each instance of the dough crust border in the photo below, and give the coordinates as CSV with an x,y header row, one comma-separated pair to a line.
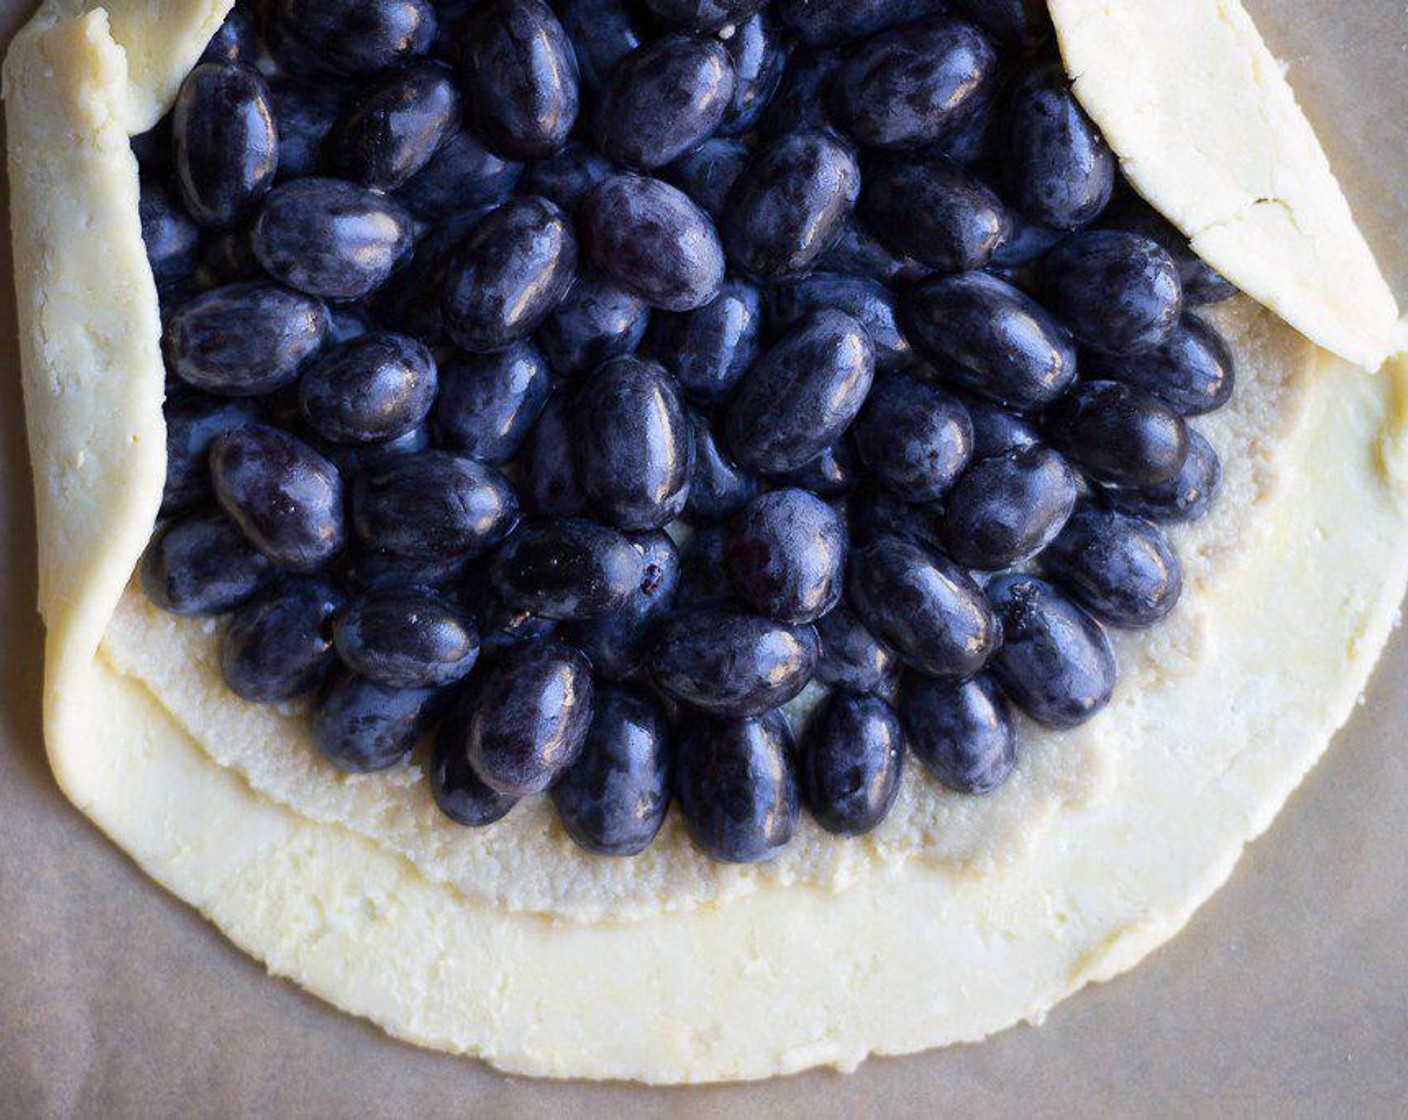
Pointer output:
x,y
784,978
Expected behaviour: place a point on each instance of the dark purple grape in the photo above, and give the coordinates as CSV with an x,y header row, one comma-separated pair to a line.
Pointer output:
x,y
858,252
961,731
394,126
850,763
707,173
368,570
867,301
992,339
759,59
1119,434
457,789
653,241
431,504
908,87
224,141
923,607
662,100
728,663
566,569
913,437
375,388
191,424
356,36
244,339
800,101
279,645
1185,497
799,397
1118,292
790,203
489,402
702,15
361,726
834,472
603,32
1007,508
996,430
786,555
927,208
529,717
236,40
228,259
616,642
284,496
1120,568
508,275
878,512
736,786
632,444
828,22
850,657
718,487
595,322
201,564
567,176
171,237
1192,371
519,76
304,113
1202,284
710,348
331,239
1013,24
548,464
703,574
612,800
406,638
461,176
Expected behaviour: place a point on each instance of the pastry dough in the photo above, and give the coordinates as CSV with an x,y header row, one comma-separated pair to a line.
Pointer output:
x,y
779,971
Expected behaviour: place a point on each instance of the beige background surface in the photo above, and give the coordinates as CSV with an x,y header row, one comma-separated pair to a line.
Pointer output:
x,y
1287,995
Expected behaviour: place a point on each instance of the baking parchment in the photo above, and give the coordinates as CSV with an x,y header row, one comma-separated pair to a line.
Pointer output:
x,y
1287,995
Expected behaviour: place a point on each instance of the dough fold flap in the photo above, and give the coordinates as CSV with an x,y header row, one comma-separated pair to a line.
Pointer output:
x,y
1208,130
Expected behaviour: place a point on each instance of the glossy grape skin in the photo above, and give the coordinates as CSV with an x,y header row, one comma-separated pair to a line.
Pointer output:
x,y
850,657
284,496
433,503
1055,663
652,240
632,443
394,126
361,726
997,430
595,322
1185,497
708,172
710,348
961,730
1120,568
797,399
909,86
457,789
375,388
406,638
790,203
566,569
759,60
201,565
913,437
612,800
1007,508
851,759
718,487
736,785
244,339
508,275
991,339
236,40
191,424
867,301
702,15
567,176
331,239
1118,292
930,210
836,471
171,237
489,402
279,645
519,76
800,101
858,252
547,465
617,642
1119,435
530,716
662,100
357,36
224,142
1202,284
729,663
1192,371
460,177
786,555
1060,172
923,607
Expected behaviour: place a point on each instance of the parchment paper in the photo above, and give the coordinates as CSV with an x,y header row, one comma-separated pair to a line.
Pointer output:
x,y
1287,995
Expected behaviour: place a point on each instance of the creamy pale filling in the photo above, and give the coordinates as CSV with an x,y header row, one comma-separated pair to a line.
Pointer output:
x,y
527,863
